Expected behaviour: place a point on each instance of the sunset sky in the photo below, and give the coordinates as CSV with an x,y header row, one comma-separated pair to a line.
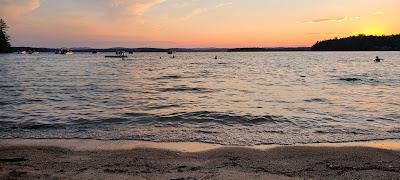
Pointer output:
x,y
194,23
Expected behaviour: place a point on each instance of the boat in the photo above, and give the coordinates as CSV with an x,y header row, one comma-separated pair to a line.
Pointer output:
x,y
66,52
32,52
118,54
171,51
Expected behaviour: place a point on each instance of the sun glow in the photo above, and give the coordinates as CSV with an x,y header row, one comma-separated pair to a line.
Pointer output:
x,y
373,31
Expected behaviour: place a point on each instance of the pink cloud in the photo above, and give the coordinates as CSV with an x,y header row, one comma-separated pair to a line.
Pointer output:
x,y
336,20
10,9
199,11
132,8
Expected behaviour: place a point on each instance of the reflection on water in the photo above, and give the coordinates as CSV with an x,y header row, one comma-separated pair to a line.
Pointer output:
x,y
241,98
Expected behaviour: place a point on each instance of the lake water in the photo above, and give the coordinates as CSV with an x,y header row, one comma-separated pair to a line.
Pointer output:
x,y
239,99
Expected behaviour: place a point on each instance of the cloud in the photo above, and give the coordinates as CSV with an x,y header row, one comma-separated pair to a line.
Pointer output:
x,y
335,20
180,5
129,7
195,12
223,4
199,11
326,33
118,20
140,8
14,8
379,12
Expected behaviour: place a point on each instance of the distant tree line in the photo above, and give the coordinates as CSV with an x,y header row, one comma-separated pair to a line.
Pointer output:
x,y
360,43
5,46
256,49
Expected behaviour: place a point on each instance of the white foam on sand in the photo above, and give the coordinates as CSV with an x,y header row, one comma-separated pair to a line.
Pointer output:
x,y
110,145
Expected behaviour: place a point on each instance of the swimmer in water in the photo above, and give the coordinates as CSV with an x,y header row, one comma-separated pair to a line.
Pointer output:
x,y
377,59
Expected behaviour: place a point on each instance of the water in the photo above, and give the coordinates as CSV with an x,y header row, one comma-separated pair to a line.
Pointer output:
x,y
239,99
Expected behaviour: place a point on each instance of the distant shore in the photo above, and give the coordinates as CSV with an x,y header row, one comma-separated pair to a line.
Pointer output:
x,y
83,159
164,50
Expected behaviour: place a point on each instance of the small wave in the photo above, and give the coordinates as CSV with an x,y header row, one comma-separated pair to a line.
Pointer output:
x,y
4,123
168,77
204,118
316,100
161,107
103,121
341,131
274,132
34,100
365,79
191,118
6,86
114,120
2,103
350,79
397,130
186,89
134,114
206,132
220,118
37,126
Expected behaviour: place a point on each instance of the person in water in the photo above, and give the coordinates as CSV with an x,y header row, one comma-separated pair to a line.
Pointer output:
x,y
377,59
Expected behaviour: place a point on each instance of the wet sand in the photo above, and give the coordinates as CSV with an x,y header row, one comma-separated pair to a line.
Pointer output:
x,y
91,159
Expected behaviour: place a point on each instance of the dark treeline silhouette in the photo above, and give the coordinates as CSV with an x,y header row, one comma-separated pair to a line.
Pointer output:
x,y
5,46
269,49
360,43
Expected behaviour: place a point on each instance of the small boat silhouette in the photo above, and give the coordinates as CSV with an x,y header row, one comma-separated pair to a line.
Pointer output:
x,y
66,52
171,51
118,54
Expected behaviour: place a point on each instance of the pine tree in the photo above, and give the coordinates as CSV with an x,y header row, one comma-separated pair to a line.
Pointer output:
x,y
5,46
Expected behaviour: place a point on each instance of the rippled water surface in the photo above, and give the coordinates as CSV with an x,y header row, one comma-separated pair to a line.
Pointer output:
x,y
241,98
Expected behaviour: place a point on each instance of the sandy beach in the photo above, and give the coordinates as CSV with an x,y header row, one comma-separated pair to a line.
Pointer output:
x,y
93,159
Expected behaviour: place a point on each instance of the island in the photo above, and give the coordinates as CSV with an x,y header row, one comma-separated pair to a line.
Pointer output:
x,y
360,43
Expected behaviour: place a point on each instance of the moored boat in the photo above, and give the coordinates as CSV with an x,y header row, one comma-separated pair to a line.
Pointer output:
x,y
66,52
171,51
118,54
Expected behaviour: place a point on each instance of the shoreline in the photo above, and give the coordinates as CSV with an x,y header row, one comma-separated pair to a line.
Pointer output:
x,y
115,145
97,159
